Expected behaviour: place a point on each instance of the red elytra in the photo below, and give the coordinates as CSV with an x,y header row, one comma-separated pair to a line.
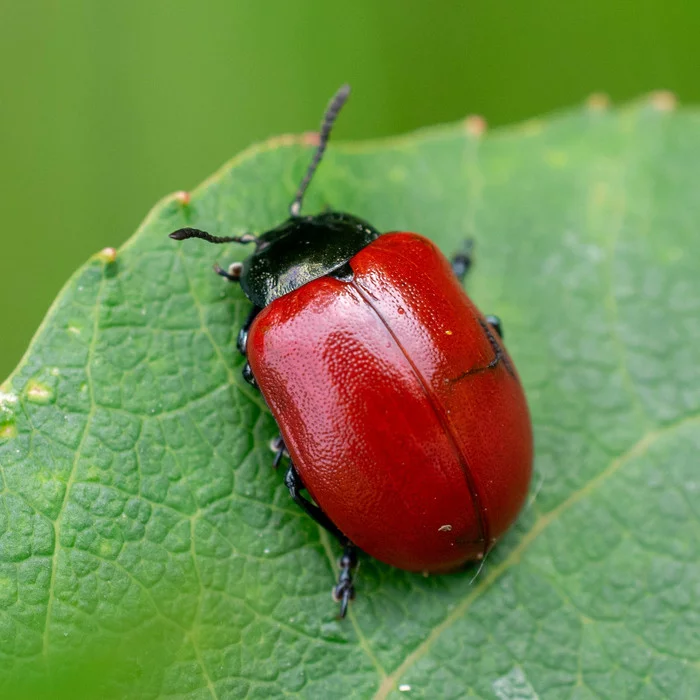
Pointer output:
x,y
400,408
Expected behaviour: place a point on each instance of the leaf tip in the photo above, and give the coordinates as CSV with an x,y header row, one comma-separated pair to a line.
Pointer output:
x,y
531,127
307,138
475,125
311,138
107,255
663,100
182,197
598,102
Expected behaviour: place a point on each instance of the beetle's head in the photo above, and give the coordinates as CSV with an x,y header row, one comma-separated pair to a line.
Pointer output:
x,y
301,249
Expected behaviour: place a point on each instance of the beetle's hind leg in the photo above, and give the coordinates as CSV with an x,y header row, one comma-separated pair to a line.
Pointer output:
x,y
344,590
293,482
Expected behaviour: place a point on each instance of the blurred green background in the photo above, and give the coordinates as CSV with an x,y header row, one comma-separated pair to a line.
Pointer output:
x,y
106,107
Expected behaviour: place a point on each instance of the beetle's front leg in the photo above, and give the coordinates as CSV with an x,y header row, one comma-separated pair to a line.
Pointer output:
x,y
233,274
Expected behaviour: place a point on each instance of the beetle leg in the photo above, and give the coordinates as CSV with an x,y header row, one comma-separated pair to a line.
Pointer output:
x,y
344,591
280,449
462,261
242,344
496,324
242,341
248,375
293,482
233,274
497,349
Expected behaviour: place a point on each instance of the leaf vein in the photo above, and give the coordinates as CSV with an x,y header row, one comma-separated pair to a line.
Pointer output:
x,y
636,450
74,466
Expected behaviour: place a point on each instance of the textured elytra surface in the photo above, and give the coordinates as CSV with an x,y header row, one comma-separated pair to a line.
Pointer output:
x,y
139,514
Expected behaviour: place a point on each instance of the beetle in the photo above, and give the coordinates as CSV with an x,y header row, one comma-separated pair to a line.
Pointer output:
x,y
399,409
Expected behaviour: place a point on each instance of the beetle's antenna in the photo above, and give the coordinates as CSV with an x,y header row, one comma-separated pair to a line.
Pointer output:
x,y
185,233
329,118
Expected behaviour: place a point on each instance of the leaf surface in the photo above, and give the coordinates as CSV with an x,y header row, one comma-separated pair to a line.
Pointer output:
x,y
140,515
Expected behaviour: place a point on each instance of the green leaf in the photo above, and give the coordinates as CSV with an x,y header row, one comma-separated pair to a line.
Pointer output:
x,y
143,528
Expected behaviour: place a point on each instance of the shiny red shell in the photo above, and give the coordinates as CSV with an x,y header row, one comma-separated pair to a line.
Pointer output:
x,y
401,411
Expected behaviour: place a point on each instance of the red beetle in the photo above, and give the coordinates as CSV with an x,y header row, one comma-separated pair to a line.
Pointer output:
x,y
398,407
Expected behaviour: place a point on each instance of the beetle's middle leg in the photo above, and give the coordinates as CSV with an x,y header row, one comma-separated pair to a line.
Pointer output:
x,y
344,590
242,345
280,449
